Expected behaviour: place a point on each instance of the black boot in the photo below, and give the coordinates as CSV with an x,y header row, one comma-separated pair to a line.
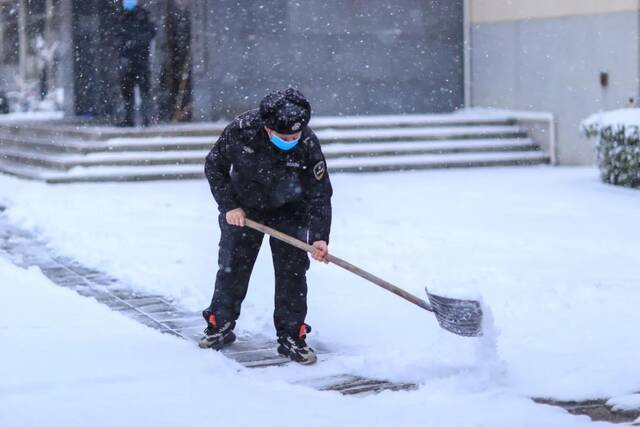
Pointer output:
x,y
217,336
295,347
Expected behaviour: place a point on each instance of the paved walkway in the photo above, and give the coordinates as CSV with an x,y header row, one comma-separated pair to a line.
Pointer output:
x,y
161,313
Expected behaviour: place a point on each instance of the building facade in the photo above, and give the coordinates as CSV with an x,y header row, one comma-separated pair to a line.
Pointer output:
x,y
213,59
569,57
67,50
349,57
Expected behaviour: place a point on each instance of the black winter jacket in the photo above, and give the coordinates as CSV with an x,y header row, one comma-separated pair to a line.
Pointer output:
x,y
245,169
134,34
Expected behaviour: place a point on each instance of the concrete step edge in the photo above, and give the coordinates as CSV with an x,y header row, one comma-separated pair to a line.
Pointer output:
x,y
101,133
191,158
147,173
87,148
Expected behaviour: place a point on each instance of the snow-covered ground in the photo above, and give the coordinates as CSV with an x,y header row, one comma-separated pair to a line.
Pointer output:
x,y
552,252
69,361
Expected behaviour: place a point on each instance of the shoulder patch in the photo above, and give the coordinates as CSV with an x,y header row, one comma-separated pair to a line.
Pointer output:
x,y
319,170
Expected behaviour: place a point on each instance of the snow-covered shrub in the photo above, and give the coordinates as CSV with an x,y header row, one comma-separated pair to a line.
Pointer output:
x,y
617,136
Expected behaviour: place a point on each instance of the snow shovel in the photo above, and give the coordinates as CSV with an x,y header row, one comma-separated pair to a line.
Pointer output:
x,y
462,317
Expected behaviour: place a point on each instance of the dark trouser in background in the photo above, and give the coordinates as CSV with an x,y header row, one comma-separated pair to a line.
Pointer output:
x,y
238,250
132,73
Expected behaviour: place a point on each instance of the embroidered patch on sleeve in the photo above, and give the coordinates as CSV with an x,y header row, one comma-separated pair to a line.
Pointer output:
x,y
319,170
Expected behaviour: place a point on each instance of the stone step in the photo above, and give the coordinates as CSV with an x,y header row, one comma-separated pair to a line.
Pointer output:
x,y
327,136
59,161
182,143
88,132
437,161
388,148
419,133
79,153
358,164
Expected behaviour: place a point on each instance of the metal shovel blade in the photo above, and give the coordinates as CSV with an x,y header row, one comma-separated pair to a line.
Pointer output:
x,y
462,317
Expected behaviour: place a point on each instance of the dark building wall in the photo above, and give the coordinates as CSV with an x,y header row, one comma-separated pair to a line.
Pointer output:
x,y
348,57
65,57
9,51
94,57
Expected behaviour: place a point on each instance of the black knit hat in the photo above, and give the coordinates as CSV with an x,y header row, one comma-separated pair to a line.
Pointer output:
x,y
286,111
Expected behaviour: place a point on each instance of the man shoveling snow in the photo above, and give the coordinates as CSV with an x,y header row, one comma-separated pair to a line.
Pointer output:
x,y
267,165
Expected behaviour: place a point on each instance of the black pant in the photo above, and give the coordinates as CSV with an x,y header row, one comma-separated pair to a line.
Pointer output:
x,y
239,248
135,72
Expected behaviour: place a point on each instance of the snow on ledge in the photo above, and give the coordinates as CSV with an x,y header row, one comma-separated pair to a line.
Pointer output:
x,y
624,117
625,403
31,116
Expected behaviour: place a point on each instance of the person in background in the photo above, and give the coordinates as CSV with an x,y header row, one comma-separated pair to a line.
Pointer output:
x,y
134,34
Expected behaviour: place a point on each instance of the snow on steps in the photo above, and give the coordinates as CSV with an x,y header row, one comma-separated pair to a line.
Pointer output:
x,y
188,171
60,161
102,133
59,154
64,144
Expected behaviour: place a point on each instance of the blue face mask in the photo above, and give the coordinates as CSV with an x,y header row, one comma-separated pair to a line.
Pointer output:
x,y
129,4
282,144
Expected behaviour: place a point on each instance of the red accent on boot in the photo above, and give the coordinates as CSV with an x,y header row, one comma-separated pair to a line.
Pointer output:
x,y
303,331
212,320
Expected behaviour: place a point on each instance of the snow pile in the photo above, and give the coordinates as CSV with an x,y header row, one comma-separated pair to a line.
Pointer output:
x,y
625,403
625,117
487,354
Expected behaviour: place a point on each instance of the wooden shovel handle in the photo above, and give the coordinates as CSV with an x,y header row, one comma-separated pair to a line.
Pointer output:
x,y
341,263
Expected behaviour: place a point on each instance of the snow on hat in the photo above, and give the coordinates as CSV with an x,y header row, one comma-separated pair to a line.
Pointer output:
x,y
286,111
